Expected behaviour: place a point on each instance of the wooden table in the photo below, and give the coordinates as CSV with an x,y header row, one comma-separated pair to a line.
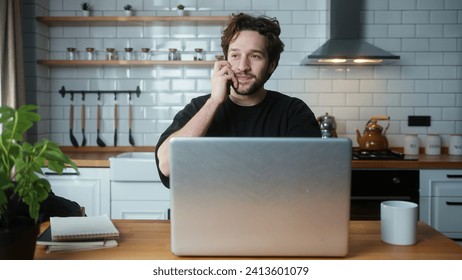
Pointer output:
x,y
150,240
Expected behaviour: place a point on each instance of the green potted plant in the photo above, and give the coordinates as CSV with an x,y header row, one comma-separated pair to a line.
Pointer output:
x,y
180,9
85,8
128,10
21,185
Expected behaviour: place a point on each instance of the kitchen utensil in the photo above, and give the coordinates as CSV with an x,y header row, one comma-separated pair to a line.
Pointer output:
x,y
84,139
373,137
116,109
99,141
328,125
130,136
71,123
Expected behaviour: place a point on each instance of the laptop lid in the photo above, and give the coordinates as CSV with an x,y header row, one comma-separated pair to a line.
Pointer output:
x,y
260,196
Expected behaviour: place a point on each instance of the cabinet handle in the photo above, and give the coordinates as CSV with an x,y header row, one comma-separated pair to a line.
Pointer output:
x,y
63,174
454,176
453,203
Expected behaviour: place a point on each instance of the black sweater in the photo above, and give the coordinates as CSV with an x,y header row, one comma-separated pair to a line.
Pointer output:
x,y
278,115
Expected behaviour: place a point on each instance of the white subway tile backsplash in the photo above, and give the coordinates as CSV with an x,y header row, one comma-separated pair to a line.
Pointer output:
x,y
399,113
173,99
415,45
366,113
416,17
428,86
443,72
386,99
399,86
414,99
430,4
453,4
402,4
332,72
291,85
238,5
453,30
443,44
373,86
414,72
303,72
345,86
360,72
387,72
427,34
359,99
402,30
452,114
452,86
388,17
442,100
318,85
452,58
306,17
332,99
430,58
443,16
429,30
183,85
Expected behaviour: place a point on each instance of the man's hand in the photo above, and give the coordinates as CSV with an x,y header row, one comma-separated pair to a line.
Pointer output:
x,y
222,78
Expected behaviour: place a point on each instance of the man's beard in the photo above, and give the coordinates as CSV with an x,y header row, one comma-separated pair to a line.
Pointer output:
x,y
253,88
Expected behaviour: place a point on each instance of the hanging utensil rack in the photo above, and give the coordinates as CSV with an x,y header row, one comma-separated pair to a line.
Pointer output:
x,y
63,92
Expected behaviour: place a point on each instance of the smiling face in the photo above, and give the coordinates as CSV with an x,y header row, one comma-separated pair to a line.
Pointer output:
x,y
248,57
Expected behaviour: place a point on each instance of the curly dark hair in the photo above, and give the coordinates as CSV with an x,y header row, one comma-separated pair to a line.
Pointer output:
x,y
266,26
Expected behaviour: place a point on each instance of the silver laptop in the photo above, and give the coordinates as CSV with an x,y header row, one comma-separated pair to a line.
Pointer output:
x,y
260,196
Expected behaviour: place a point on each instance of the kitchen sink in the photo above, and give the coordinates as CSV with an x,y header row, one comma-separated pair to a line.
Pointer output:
x,y
133,166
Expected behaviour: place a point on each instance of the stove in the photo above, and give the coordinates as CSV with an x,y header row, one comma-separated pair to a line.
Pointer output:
x,y
359,154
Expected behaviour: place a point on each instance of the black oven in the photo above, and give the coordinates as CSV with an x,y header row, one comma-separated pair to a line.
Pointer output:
x,y
369,187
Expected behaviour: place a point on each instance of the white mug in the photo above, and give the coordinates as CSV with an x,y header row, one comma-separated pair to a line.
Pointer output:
x,y
433,145
455,144
411,145
398,220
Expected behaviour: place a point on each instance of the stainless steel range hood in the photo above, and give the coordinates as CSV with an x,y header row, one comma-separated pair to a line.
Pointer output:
x,y
345,46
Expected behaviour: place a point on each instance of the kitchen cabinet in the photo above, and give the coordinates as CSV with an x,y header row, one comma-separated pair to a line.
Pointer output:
x,y
140,200
90,188
136,188
441,200
123,21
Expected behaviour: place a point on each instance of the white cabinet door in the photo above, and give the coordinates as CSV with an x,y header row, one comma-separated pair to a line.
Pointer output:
x,y
90,188
139,200
441,200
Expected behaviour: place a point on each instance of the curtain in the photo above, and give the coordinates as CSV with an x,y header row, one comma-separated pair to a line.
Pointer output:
x,y
11,54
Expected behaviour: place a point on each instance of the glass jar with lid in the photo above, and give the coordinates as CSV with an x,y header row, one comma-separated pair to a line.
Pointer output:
x,y
71,54
173,54
111,54
198,54
90,53
145,54
128,55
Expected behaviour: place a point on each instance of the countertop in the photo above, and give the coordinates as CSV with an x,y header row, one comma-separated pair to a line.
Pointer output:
x,y
99,158
150,240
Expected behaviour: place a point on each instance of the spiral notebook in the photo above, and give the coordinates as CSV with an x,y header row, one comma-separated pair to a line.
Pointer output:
x,y
82,228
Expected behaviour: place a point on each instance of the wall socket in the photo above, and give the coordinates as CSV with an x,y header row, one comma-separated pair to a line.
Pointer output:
x,y
419,120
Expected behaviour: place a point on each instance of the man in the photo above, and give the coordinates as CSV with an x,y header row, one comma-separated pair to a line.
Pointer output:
x,y
239,105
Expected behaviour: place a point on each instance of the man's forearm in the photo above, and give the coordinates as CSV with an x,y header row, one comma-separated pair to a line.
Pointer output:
x,y
196,127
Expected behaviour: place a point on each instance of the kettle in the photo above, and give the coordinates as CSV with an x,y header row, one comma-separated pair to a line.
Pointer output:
x,y
373,138
327,125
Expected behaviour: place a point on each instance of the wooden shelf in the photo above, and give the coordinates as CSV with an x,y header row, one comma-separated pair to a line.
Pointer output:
x,y
97,63
124,20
